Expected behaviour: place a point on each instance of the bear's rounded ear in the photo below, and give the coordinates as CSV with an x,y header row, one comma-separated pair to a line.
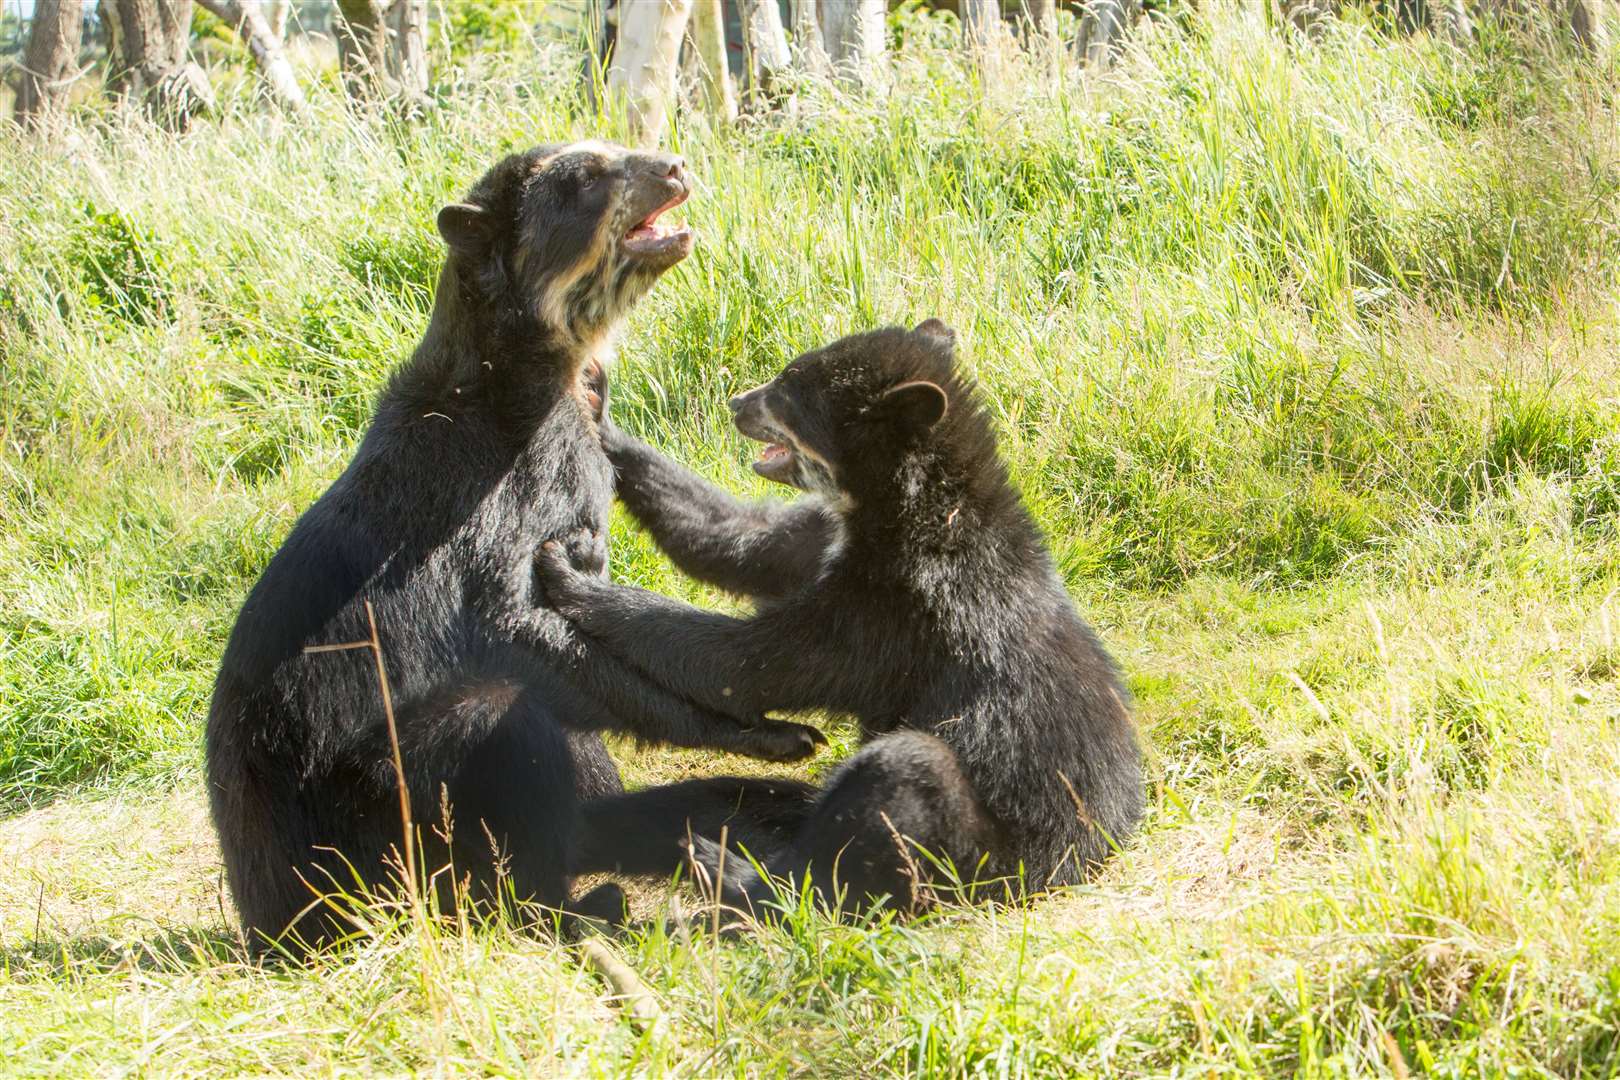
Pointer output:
x,y
917,405
935,328
466,228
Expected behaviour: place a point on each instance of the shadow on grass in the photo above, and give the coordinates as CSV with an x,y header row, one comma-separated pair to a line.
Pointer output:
x,y
169,950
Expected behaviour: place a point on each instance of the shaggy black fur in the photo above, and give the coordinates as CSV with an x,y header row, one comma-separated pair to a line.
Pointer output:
x,y
914,592
482,445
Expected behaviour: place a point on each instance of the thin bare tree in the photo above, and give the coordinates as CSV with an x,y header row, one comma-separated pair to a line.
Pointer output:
x,y
981,19
983,32
251,21
49,63
276,13
1588,25
1455,22
1309,17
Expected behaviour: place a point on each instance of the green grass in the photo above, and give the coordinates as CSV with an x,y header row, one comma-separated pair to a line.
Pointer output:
x,y
1306,358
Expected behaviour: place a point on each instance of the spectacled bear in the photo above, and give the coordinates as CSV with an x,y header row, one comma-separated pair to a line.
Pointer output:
x,y
913,590
482,445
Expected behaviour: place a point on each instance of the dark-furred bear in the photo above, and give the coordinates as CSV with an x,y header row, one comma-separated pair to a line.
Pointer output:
x,y
482,445
910,589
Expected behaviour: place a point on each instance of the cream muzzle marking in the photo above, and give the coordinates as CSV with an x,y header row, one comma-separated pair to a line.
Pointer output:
x,y
785,459
627,252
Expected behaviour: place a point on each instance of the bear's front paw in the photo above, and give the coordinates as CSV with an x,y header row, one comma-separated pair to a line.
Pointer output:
x,y
587,551
564,588
593,390
615,443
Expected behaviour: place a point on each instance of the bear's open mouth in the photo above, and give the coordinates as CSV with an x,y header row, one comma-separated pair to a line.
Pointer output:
x,y
647,237
775,462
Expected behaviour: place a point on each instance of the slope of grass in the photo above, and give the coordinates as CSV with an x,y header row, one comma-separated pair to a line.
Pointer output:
x,y
1306,358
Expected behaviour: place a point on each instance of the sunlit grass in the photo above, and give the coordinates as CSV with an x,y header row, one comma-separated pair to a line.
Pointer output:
x,y
1305,357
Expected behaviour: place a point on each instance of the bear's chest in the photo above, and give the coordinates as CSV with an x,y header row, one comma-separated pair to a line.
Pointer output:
x,y
560,483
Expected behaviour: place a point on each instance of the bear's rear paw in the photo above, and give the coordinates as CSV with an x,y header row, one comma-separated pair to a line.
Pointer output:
x,y
602,910
780,740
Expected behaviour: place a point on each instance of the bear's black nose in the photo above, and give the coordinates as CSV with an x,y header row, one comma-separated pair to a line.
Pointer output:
x,y
737,403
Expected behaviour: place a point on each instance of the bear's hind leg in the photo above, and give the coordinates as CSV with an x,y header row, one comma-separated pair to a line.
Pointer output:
x,y
645,832
886,815
513,809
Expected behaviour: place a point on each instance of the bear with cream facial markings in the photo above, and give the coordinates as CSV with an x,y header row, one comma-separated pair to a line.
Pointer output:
x,y
483,444
911,589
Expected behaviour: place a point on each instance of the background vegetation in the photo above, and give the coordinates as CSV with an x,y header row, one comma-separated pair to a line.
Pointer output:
x,y
1306,356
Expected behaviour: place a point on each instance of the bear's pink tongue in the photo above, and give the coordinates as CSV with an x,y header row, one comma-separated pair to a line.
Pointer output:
x,y
648,233
648,229
775,462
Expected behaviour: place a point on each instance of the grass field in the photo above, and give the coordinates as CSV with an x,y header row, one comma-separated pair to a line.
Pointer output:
x,y
1308,359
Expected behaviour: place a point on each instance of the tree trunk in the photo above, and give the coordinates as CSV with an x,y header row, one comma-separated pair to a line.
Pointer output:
x,y
807,42
1040,18
362,41
854,34
151,64
765,41
1588,26
1103,26
1039,28
641,75
248,19
981,21
49,63
1455,22
1447,17
1309,17
984,34
709,49
407,49
275,13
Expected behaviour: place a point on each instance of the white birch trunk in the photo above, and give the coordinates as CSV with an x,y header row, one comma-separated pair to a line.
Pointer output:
x,y
641,76
709,49
854,35
1103,27
982,33
249,19
766,42
276,13
808,46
